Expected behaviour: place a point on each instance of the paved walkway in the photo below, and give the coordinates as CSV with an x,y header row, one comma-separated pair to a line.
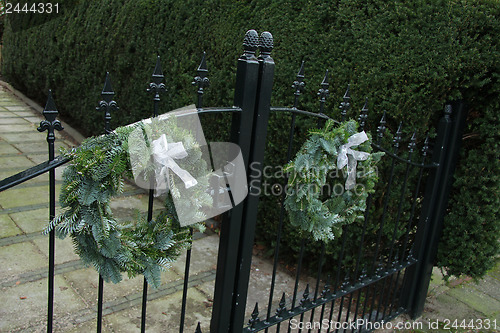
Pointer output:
x,y
24,255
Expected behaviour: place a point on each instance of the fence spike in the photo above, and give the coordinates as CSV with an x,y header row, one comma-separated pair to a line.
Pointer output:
x,y
298,84
425,148
447,111
413,142
50,123
345,105
201,80
326,288
254,317
398,136
363,115
198,328
305,297
156,85
107,104
381,128
281,306
323,91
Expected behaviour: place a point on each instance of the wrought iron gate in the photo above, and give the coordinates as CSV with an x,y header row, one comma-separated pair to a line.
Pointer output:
x,y
385,275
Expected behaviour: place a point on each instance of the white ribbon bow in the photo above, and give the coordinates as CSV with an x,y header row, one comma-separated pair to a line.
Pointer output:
x,y
350,157
164,154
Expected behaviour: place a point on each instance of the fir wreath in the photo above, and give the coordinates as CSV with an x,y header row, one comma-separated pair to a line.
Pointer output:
x,y
317,200
94,176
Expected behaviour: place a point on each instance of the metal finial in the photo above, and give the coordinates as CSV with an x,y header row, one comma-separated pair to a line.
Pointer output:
x,y
254,317
266,44
345,105
398,137
298,84
363,115
107,104
305,297
447,111
413,142
198,328
425,148
201,80
323,91
50,123
326,289
281,307
250,43
381,127
156,86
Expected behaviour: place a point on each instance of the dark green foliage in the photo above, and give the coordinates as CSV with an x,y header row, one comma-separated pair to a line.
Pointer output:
x,y
408,57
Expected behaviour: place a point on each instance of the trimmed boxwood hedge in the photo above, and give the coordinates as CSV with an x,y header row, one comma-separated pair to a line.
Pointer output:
x,y
407,57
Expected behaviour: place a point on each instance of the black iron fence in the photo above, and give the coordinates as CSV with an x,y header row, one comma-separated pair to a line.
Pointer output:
x,y
387,274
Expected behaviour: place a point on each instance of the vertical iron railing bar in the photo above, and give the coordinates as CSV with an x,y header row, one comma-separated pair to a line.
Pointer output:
x,y
397,139
341,307
365,303
107,104
401,290
339,266
401,198
384,212
100,301
280,223
356,310
391,290
415,196
323,93
50,124
291,133
156,86
297,276
345,105
298,85
202,81
318,278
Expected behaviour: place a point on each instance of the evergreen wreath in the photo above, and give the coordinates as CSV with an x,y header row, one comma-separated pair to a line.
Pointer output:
x,y
318,200
93,177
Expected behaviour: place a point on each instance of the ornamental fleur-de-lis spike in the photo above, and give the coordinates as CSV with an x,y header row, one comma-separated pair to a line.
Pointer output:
x,y
398,136
156,85
198,328
50,123
323,91
425,148
326,288
379,270
363,275
345,105
305,297
363,115
107,104
345,283
413,142
201,79
298,84
254,317
447,111
266,44
381,128
281,307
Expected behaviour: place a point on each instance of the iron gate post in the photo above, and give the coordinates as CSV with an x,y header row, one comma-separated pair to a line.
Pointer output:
x,y
241,133
430,227
259,135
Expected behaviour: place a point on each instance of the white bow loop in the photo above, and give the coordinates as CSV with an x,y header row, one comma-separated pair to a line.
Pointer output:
x,y
164,154
350,157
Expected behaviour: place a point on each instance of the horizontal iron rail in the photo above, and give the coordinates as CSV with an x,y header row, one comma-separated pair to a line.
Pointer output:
x,y
32,172
311,304
307,113
400,159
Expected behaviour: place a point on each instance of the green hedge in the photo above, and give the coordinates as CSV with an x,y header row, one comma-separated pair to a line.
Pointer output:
x,y
408,57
